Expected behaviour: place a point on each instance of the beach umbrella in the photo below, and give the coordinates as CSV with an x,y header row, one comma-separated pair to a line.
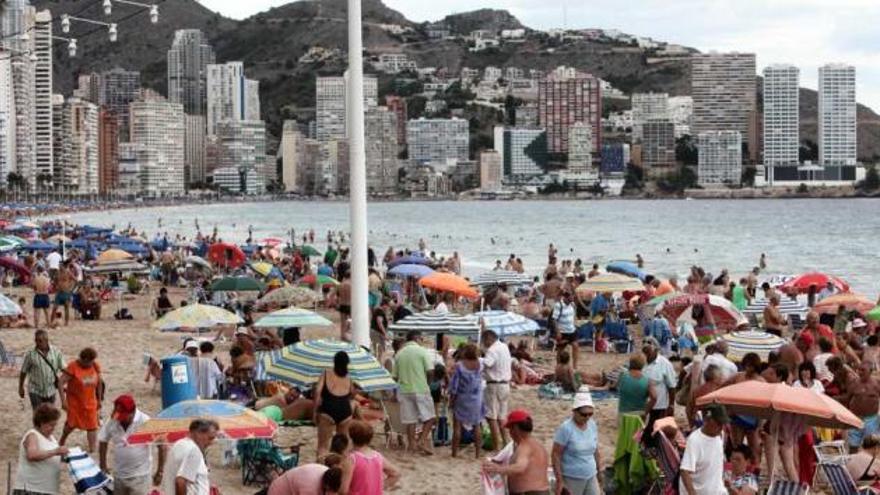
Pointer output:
x,y
198,261
433,322
14,239
224,254
448,282
321,280
8,245
290,296
410,259
82,243
627,268
113,255
17,267
171,424
681,307
40,246
262,268
196,316
507,277
802,283
8,307
786,307
505,323
411,270
249,249
239,284
306,250
761,343
293,317
271,241
611,282
132,248
874,314
59,238
302,364
849,300
121,266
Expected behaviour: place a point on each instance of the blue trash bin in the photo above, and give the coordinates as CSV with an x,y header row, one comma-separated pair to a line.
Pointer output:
x,y
178,381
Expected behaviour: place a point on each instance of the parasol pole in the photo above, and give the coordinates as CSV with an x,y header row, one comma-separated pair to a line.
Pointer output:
x,y
360,316
773,447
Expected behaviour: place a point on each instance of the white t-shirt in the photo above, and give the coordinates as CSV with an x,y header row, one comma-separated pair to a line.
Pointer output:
x,y
815,387
54,260
820,362
728,369
186,460
704,458
129,461
497,364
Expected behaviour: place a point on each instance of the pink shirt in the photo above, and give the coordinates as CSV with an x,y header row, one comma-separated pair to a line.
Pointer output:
x,y
302,480
367,476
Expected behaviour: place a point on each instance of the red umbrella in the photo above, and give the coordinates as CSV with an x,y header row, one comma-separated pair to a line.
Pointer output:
x,y
802,283
226,255
22,271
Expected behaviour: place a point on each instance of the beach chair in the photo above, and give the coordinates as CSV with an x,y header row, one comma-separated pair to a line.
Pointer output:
x,y
785,487
585,334
618,335
835,452
262,460
841,481
85,474
394,428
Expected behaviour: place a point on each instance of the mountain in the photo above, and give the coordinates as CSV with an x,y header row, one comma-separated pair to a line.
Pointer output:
x,y
271,44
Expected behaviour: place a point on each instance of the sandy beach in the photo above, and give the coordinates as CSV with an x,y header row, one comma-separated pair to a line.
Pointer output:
x,y
120,345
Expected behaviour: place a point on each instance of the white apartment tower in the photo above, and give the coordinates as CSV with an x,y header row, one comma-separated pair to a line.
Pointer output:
x,y
42,38
646,106
380,127
723,89
438,141
76,146
837,115
7,120
781,120
719,158
188,59
159,127
580,148
291,139
231,96
330,105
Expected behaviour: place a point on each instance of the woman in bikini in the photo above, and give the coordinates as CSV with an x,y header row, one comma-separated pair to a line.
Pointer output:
x,y
333,410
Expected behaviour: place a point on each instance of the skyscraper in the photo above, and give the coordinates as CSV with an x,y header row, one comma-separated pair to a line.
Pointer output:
x,y
17,17
580,148
243,146
231,96
117,88
76,166
523,152
567,96
7,120
719,158
723,89
291,142
491,170
158,125
42,36
108,151
837,115
397,104
188,59
646,106
658,147
380,127
781,119
330,113
194,149
437,141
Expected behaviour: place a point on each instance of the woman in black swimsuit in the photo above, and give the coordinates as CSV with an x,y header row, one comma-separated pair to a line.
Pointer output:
x,y
333,409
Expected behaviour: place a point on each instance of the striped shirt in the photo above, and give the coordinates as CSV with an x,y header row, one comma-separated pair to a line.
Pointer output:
x,y
41,376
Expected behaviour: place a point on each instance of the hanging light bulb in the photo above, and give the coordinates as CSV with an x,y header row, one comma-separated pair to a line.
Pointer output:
x,y
108,7
65,23
154,13
113,33
71,47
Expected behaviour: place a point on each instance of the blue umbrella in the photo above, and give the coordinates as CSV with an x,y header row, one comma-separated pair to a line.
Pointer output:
x,y
626,268
249,249
40,246
132,248
325,270
410,259
410,270
90,229
506,324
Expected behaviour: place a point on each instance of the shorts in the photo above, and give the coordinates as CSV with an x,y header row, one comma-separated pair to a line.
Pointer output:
x,y
137,485
855,436
41,301
568,338
378,339
576,486
37,399
496,397
344,309
62,298
416,408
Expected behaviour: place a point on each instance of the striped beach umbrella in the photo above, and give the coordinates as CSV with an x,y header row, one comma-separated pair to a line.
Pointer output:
x,y
293,317
432,322
301,365
507,277
8,307
786,307
290,296
680,308
761,343
195,316
611,282
171,424
505,323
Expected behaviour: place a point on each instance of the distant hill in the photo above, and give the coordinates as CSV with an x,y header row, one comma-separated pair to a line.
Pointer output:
x,y
272,42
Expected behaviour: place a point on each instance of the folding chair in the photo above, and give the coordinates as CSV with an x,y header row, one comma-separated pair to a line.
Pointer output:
x,y
785,487
261,460
841,481
617,333
585,334
394,427
830,453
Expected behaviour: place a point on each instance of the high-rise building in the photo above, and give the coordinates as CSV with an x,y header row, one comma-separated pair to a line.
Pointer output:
x,y
837,115
231,95
108,151
719,158
289,150
131,156
330,105
188,59
681,112
781,118
334,168
397,104
76,143
437,141
580,148
647,106
42,36
615,158
87,87
7,120
724,93
243,146
491,170
658,147
523,152
194,149
116,89
567,96
380,129
159,126
244,180
18,17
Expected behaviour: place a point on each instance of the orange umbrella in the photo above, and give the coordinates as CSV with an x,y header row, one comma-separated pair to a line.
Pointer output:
x,y
112,255
849,300
664,288
447,282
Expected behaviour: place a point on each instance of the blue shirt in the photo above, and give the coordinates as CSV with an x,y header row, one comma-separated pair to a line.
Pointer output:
x,y
579,454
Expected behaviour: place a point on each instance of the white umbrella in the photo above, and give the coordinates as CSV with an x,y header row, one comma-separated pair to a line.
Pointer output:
x,y
434,322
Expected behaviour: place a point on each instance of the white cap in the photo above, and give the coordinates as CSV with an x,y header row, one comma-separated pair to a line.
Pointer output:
x,y
191,344
582,398
859,323
241,331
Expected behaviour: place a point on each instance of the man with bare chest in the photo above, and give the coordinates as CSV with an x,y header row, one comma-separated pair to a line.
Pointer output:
x,y
527,471
863,399
64,285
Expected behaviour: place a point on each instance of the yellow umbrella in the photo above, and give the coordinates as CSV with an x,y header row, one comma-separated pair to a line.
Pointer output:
x,y
196,316
262,268
611,282
112,255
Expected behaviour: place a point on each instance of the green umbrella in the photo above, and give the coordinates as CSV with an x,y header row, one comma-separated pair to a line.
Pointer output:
x,y
238,284
307,250
874,314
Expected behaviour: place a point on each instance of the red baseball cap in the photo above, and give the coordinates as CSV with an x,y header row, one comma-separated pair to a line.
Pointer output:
x,y
124,405
517,416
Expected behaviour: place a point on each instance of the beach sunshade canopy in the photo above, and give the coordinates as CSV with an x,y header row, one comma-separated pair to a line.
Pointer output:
x,y
761,343
874,314
764,400
271,241
59,238
113,255
239,284
290,296
506,277
627,268
293,317
723,311
40,246
802,283
198,261
8,307
226,255
786,307
262,268
196,316
303,363
11,243
121,266
411,270
409,259
170,425
611,282
849,300
307,250
505,323
432,322
17,267
448,282
321,280
133,248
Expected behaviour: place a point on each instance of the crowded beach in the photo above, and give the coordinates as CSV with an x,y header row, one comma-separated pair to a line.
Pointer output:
x,y
155,364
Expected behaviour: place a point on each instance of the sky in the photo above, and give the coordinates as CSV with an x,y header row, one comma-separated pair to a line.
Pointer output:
x,y
805,33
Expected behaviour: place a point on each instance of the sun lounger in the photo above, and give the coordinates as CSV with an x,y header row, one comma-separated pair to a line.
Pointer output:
x,y
785,487
85,474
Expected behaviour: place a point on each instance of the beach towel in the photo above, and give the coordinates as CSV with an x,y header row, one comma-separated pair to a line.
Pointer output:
x,y
494,484
555,391
632,470
85,475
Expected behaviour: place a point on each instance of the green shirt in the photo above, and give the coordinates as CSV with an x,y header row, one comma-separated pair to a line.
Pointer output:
x,y
41,376
330,256
411,369
633,393
739,297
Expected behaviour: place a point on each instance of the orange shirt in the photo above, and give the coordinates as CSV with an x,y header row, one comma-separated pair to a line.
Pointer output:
x,y
82,396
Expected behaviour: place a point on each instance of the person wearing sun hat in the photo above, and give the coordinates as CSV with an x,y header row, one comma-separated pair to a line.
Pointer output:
x,y
576,460
132,463
527,470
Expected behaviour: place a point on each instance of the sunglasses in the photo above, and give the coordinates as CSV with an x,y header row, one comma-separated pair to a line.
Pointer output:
x,y
583,414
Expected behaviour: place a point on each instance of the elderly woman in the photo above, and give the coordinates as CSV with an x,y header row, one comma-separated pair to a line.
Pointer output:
x,y
864,466
82,393
39,456
466,398
576,460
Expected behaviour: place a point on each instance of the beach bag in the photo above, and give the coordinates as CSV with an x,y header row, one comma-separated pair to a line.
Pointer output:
x,y
494,484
